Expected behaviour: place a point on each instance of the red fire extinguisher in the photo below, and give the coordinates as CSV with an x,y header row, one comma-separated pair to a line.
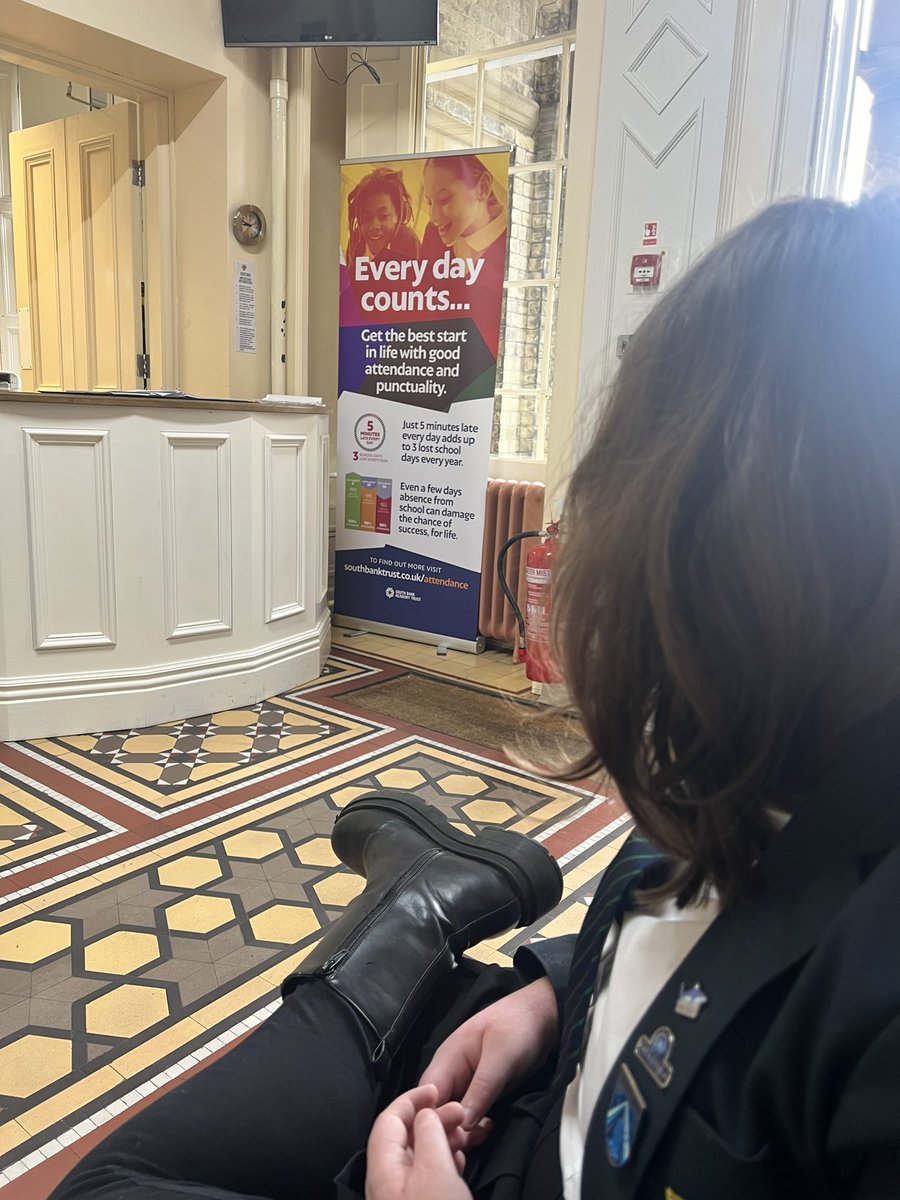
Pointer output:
x,y
539,664
534,628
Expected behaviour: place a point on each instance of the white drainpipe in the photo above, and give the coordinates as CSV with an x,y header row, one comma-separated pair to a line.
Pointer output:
x,y
278,95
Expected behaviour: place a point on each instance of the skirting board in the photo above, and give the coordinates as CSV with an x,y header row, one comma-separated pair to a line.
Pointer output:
x,y
50,706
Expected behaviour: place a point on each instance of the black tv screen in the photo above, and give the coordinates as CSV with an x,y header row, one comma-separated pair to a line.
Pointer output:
x,y
329,22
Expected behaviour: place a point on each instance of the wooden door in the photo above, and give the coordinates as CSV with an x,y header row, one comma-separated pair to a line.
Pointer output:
x,y
40,239
77,231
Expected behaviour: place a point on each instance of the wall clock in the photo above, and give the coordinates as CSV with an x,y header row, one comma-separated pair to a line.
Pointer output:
x,y
248,225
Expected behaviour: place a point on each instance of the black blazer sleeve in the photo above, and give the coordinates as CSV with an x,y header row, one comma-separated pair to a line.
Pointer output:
x,y
552,958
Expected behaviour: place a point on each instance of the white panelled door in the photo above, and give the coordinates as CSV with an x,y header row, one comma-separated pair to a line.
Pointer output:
x,y
382,117
664,102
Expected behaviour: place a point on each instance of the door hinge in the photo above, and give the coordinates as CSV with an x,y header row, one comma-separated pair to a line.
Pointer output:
x,y
138,172
143,366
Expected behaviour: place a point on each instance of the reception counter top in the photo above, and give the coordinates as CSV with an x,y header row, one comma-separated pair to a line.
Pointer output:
x,y
160,557
171,401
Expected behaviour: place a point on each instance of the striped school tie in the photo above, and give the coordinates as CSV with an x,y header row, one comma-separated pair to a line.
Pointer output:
x,y
631,867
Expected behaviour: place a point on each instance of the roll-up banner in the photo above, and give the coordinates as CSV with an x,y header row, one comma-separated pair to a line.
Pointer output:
x,y
423,258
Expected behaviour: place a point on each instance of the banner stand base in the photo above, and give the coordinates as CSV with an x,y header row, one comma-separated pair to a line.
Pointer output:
x,y
438,640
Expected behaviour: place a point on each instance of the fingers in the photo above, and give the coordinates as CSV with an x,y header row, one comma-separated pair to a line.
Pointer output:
x,y
433,1151
390,1142
449,1071
452,1116
409,1103
487,1084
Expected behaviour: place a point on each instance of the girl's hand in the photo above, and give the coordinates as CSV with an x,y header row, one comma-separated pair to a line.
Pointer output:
x,y
494,1049
415,1151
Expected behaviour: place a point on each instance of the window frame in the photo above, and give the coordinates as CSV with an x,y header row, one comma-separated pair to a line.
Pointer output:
x,y
479,64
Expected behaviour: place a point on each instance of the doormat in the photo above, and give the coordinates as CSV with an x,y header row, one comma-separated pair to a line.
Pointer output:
x,y
484,718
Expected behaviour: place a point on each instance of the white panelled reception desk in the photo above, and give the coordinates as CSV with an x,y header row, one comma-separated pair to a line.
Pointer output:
x,y
159,558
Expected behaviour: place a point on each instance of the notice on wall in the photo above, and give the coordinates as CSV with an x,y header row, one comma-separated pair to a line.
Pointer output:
x,y
423,259
244,307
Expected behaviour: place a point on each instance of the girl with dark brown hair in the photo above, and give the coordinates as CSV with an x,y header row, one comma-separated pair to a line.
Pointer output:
x,y
727,1023
380,217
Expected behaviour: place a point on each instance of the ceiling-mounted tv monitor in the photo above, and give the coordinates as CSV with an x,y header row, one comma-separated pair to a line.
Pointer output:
x,y
330,22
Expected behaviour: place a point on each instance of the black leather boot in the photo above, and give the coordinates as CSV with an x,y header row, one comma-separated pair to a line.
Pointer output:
x,y
431,893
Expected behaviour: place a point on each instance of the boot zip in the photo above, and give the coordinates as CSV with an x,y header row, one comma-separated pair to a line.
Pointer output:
x,y
332,964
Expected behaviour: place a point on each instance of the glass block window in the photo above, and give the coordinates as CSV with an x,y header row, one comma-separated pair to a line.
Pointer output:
x,y
502,74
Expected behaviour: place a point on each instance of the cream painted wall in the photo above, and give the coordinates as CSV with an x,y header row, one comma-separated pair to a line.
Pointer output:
x,y
327,106
220,111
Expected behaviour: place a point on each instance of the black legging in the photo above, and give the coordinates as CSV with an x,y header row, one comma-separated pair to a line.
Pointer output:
x,y
280,1115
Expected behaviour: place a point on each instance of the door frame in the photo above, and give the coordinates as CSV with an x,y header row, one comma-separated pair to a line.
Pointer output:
x,y
156,139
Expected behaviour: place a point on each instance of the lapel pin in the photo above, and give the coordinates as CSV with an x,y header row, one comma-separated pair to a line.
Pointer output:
x,y
690,1001
623,1118
653,1055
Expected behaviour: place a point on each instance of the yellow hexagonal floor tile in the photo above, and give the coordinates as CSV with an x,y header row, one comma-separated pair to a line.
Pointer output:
x,y
228,743
283,923
463,828
126,1011
254,844
121,952
150,771
243,717
210,770
32,1062
400,778
489,812
192,871
149,743
34,941
345,795
317,853
339,889
462,785
199,914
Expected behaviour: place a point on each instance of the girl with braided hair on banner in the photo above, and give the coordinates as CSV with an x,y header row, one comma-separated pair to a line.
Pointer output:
x,y
380,216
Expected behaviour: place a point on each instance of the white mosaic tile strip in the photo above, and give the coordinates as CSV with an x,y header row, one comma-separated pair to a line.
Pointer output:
x,y
58,797
570,817
360,672
599,836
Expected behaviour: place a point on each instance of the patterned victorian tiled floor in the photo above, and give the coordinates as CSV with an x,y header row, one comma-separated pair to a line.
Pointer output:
x,y
156,885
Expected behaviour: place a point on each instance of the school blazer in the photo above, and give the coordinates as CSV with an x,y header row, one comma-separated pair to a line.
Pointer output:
x,y
787,1083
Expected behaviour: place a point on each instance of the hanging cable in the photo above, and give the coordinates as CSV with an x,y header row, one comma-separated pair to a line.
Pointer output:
x,y
359,59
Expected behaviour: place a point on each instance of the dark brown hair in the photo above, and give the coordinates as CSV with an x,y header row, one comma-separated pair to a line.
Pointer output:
x,y
728,600
381,179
